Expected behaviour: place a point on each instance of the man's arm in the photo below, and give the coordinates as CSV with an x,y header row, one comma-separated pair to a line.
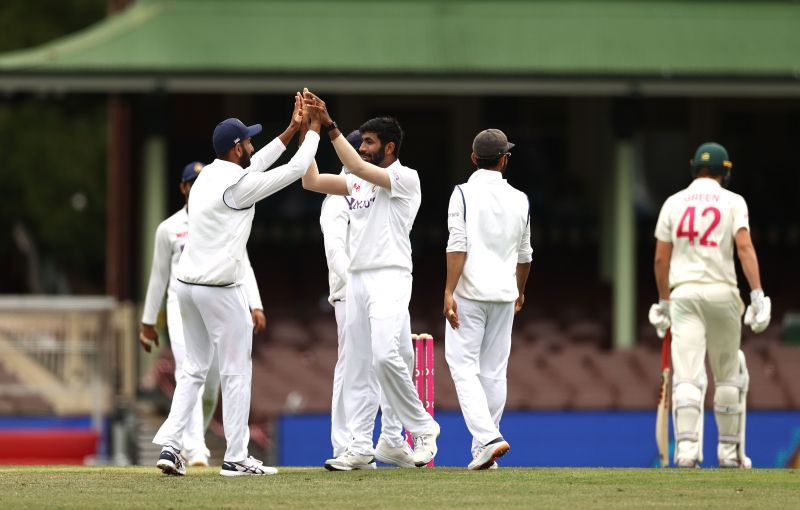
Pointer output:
x,y
524,256
269,154
357,166
455,267
159,280
257,186
329,184
748,258
334,223
523,270
661,268
346,153
456,254
253,297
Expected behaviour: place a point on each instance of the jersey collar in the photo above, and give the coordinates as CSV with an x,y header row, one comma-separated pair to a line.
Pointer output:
x,y
482,174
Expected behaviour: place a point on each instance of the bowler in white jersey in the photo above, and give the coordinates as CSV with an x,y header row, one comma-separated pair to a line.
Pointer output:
x,y
699,301
170,238
210,274
383,198
392,448
488,262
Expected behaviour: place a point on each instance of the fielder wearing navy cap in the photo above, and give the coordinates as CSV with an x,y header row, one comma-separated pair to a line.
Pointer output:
x,y
355,139
231,131
191,171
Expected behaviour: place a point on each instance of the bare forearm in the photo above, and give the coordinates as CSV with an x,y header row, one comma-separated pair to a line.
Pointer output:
x,y
455,266
523,270
661,264
661,269
287,135
348,155
750,268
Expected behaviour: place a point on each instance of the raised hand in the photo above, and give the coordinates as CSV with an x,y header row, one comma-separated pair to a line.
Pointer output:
x,y
312,99
297,113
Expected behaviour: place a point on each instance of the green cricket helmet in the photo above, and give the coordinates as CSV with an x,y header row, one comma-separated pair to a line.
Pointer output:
x,y
713,156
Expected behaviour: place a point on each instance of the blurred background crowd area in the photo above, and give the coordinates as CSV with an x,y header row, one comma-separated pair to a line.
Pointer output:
x,y
91,161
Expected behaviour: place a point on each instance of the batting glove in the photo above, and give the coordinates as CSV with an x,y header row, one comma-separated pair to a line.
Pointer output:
x,y
759,312
659,317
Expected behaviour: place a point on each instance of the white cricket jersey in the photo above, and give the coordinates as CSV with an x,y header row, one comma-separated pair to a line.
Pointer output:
x,y
221,210
334,219
381,219
489,220
701,222
171,236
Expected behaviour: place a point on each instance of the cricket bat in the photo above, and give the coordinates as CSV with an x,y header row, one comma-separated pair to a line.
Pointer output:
x,y
662,414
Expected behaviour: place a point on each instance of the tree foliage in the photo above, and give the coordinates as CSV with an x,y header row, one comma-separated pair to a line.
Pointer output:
x,y
53,164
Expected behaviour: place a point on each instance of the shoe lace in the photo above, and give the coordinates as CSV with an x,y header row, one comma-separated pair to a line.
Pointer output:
x,y
254,461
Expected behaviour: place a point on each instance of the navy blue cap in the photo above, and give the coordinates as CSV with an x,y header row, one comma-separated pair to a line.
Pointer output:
x,y
191,171
355,138
229,132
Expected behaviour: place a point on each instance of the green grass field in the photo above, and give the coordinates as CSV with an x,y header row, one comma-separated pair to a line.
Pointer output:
x,y
310,488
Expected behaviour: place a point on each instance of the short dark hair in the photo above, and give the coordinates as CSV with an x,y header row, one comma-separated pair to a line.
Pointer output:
x,y
488,162
387,129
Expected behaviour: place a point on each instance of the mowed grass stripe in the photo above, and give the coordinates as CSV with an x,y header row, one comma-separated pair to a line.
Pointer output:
x,y
308,488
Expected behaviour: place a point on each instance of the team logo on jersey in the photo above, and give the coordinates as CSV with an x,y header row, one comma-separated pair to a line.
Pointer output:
x,y
181,235
356,186
354,204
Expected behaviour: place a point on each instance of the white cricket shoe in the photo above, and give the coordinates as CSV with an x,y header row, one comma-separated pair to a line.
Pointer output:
x,y
198,457
486,455
734,463
250,467
686,463
425,446
350,461
171,462
400,456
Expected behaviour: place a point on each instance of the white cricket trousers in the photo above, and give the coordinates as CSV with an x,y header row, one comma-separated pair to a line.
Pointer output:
x,y
378,333
391,428
477,355
214,318
704,317
194,434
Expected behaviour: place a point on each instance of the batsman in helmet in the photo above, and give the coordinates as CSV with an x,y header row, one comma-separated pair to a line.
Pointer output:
x,y
696,233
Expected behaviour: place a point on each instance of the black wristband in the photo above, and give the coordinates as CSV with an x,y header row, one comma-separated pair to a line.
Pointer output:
x,y
332,126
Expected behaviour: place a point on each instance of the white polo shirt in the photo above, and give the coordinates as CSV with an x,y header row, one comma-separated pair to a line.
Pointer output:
x,y
334,219
701,222
221,210
171,236
489,220
381,219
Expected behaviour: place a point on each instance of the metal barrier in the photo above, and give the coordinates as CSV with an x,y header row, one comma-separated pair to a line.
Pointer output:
x,y
76,353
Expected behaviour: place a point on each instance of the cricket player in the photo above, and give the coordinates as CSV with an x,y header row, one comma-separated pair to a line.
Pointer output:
x,y
392,447
699,300
488,262
383,198
210,276
170,238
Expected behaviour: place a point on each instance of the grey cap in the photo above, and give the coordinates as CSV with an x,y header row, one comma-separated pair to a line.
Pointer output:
x,y
491,143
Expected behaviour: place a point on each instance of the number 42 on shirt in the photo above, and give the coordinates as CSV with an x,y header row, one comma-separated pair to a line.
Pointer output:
x,y
686,225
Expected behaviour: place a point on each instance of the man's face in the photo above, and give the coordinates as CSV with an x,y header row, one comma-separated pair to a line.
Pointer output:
x,y
247,150
371,150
